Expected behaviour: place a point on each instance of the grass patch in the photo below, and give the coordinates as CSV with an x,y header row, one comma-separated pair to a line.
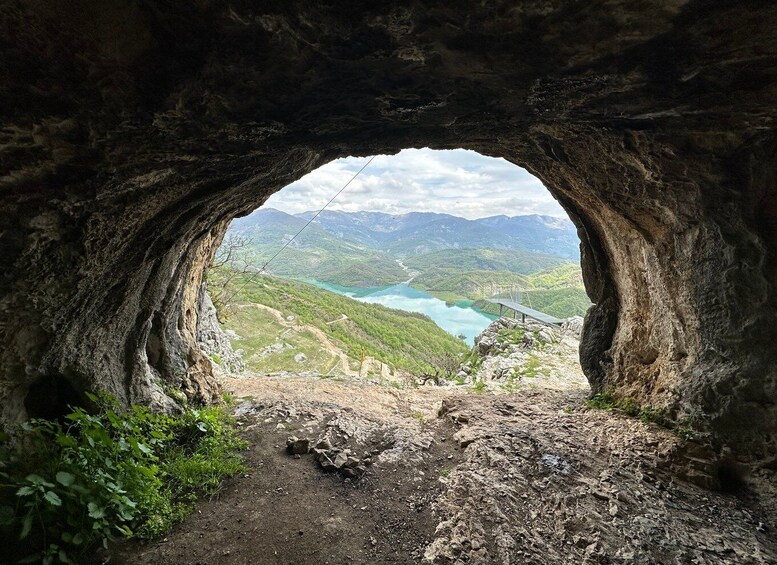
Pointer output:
x,y
651,415
512,384
602,401
475,361
533,368
629,406
512,336
479,386
109,473
418,416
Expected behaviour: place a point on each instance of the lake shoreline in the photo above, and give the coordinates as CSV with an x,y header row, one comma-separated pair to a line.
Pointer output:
x,y
456,319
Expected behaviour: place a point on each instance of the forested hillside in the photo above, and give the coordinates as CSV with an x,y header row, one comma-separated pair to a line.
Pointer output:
x,y
402,340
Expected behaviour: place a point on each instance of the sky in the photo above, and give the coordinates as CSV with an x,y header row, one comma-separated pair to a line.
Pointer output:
x,y
458,182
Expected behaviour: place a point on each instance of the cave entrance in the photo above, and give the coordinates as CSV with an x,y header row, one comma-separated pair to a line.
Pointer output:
x,y
425,233
52,397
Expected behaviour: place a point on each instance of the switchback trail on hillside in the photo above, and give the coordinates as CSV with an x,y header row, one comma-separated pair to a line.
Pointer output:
x,y
456,477
344,362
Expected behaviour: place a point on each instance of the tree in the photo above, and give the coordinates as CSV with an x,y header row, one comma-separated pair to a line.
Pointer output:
x,y
441,366
231,260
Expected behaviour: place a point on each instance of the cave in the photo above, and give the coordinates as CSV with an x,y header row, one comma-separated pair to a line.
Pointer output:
x,y
132,133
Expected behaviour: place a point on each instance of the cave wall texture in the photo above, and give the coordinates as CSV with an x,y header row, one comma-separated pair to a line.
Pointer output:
x,y
133,131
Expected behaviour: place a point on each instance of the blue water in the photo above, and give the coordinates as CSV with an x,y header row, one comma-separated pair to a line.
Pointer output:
x,y
454,319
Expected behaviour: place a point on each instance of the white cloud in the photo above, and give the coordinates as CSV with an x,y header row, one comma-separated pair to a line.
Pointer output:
x,y
459,182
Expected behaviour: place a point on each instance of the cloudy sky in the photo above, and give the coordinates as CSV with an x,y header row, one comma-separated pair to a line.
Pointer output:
x,y
458,182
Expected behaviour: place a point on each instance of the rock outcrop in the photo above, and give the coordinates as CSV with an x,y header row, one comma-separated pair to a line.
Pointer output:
x,y
214,341
512,354
133,133
573,326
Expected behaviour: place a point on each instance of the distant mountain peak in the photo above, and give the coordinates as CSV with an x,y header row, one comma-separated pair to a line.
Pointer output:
x,y
413,233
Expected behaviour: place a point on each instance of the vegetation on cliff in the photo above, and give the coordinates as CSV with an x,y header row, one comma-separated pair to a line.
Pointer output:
x,y
402,340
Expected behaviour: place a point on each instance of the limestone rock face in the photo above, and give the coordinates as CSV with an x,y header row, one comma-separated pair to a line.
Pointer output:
x,y
213,340
131,134
573,326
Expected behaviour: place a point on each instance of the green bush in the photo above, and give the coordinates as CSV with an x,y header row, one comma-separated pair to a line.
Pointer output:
x,y
652,415
602,401
629,406
479,386
106,474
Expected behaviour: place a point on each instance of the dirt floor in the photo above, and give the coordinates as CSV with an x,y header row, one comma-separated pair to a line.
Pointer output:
x,y
456,477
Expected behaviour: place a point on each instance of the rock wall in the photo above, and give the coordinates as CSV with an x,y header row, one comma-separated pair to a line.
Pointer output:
x,y
213,340
133,132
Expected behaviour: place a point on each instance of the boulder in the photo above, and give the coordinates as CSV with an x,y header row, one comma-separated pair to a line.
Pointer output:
x,y
297,446
573,326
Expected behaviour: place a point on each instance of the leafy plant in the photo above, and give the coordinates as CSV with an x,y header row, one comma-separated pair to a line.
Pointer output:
x,y
479,386
629,406
109,474
684,430
602,401
648,414
418,416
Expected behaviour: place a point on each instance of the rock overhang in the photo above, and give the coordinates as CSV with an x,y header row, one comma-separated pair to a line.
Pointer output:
x,y
133,133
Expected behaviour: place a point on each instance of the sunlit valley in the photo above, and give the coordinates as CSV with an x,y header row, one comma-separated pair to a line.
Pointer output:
x,y
424,261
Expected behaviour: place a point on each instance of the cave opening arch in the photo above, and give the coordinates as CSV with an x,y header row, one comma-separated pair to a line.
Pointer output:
x,y
434,232
126,154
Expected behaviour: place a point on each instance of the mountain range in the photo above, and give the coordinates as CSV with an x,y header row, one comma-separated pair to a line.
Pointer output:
x,y
418,233
447,256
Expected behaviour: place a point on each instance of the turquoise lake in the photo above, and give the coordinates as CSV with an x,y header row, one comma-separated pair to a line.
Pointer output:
x,y
454,319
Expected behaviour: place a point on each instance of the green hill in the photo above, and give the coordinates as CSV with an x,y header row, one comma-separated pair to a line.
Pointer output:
x,y
453,285
486,259
558,292
563,276
315,253
403,340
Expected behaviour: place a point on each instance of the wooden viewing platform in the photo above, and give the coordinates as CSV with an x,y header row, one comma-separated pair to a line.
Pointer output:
x,y
525,311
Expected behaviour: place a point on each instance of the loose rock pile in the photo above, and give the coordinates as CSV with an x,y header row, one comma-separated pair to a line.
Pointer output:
x,y
343,441
332,459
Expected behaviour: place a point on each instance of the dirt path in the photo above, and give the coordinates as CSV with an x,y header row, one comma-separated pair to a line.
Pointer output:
x,y
531,477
